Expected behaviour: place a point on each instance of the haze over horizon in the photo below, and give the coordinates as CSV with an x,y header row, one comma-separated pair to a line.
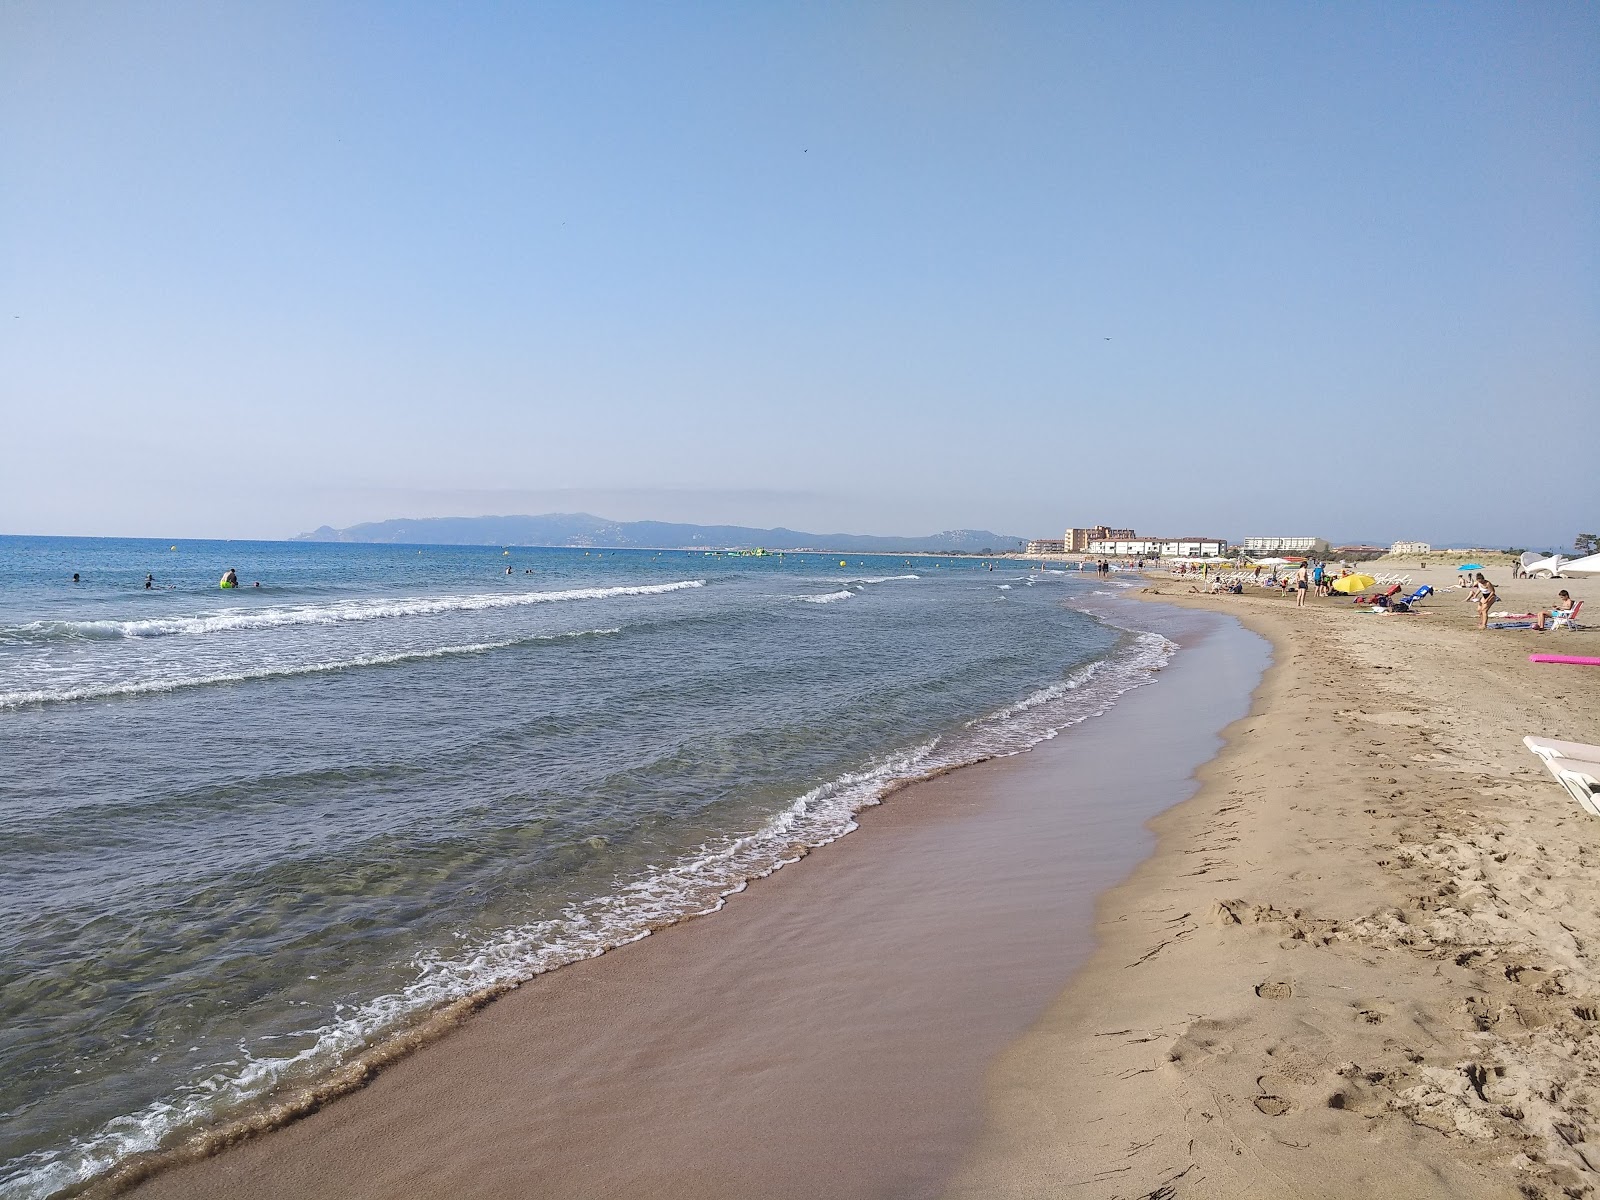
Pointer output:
x,y
873,269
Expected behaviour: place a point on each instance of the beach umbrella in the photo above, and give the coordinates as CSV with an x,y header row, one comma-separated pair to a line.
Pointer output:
x,y
1349,584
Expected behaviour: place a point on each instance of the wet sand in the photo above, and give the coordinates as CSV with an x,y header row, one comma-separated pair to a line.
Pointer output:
x,y
1363,960
827,1034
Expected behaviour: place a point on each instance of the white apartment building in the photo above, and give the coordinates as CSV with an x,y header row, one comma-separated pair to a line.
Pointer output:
x,y
1046,546
1410,548
1155,547
1286,545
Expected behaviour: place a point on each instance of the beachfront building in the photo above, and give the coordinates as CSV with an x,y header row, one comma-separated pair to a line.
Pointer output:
x,y
1046,546
1406,549
1077,541
1157,547
1258,546
1193,547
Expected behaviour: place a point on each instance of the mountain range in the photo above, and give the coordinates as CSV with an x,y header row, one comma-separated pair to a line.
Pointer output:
x,y
586,530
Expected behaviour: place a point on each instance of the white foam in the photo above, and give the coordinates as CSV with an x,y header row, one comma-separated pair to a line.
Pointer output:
x,y
827,598
1004,587
228,620
153,686
883,578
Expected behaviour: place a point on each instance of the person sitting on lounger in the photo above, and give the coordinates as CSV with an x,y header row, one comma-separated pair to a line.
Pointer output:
x,y
1563,608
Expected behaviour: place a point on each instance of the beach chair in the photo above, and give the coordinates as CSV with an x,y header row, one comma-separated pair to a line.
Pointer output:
x,y
1576,767
1425,590
1580,778
1550,748
1568,619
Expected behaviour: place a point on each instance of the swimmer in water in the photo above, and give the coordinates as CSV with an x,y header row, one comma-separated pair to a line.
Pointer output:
x,y
230,578
149,582
75,578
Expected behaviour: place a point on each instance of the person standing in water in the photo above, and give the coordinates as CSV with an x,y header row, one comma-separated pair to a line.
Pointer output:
x,y
230,578
149,582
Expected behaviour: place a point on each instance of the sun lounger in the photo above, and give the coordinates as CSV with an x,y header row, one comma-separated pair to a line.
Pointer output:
x,y
1580,778
1576,767
1550,748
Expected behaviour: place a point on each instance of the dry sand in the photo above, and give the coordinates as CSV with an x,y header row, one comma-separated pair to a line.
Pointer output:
x,y
1362,961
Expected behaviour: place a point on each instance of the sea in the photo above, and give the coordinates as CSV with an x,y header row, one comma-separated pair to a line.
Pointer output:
x,y
248,836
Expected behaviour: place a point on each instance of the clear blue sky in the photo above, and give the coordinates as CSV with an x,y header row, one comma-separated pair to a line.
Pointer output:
x,y
838,266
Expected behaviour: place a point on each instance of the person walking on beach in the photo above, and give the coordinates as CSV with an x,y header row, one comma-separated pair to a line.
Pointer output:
x,y
1302,581
1487,597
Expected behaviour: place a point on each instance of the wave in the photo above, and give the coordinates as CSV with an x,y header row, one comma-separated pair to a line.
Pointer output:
x,y
1004,587
828,597
883,578
180,683
229,620
340,1055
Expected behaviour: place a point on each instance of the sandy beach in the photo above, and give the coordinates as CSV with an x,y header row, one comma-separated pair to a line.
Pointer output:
x,y
1361,962
827,1033
1356,963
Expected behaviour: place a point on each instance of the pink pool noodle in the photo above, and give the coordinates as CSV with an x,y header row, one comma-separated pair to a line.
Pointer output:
x,y
1569,659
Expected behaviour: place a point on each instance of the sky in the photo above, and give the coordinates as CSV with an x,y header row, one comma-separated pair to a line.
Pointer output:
x,y
1222,269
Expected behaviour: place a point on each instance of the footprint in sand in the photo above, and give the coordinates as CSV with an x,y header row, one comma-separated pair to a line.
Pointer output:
x,y
1276,990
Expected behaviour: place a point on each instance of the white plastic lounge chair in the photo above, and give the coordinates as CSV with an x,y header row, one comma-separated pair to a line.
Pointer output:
x,y
1548,748
1567,620
1580,778
1576,766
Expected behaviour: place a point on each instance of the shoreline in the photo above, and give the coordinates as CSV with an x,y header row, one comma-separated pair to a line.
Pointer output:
x,y
943,827
1356,963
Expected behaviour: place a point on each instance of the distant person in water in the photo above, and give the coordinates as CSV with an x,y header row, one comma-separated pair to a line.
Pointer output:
x,y
149,582
257,583
230,578
75,578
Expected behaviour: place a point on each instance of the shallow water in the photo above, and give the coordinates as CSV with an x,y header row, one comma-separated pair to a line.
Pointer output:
x,y
244,835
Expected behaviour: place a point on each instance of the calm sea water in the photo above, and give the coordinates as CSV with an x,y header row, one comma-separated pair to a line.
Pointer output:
x,y
246,834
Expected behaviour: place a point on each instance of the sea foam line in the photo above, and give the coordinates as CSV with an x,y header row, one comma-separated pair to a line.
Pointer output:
x,y
698,883
154,686
326,614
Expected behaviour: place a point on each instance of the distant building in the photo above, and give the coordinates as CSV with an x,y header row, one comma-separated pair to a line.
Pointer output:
x,y
1046,546
1077,540
1157,547
1410,548
1285,545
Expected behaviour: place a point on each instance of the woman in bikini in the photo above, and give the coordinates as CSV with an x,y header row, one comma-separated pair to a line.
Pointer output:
x,y
1487,597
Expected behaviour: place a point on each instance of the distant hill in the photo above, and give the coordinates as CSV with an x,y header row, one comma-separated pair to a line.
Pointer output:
x,y
584,529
